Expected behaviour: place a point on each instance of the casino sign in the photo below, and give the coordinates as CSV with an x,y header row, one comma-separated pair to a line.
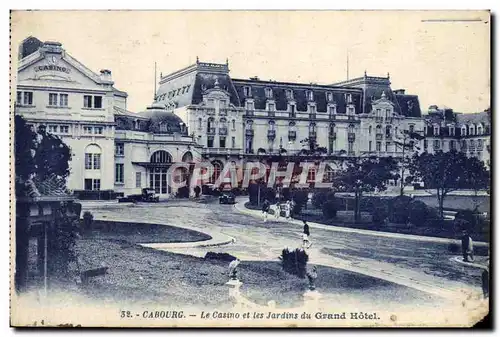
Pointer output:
x,y
52,68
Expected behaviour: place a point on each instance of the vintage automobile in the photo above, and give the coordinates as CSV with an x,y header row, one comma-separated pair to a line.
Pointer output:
x,y
227,198
149,195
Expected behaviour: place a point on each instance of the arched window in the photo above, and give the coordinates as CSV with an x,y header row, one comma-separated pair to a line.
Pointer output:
x,y
388,130
379,129
463,131
332,128
472,130
480,129
291,124
370,130
210,123
200,126
161,156
223,121
93,157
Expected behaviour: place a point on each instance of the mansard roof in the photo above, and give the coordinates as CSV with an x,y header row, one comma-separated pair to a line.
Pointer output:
x,y
299,90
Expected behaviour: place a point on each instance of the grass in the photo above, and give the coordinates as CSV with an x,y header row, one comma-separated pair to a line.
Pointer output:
x,y
144,233
148,276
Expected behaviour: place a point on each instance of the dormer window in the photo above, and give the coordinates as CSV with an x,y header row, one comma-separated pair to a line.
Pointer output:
x,y
332,110
436,130
329,96
471,130
309,95
136,124
463,131
249,105
312,109
289,94
269,93
247,91
479,129
451,130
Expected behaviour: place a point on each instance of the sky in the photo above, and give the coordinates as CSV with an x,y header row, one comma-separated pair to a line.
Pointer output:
x,y
441,56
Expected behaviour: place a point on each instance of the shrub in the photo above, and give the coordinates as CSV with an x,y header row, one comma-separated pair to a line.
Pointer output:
x,y
476,222
219,256
87,220
294,262
318,199
300,197
460,225
418,212
380,212
399,209
330,208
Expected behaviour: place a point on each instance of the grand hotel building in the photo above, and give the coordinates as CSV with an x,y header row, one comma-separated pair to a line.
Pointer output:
x,y
201,113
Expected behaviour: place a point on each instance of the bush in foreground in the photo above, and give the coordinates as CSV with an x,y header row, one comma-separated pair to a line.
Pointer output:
x,y
219,256
294,262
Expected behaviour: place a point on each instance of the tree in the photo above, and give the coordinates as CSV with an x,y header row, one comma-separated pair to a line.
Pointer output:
x,y
311,147
366,174
446,172
477,177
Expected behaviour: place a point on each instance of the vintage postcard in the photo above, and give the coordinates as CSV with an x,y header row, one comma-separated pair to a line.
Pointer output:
x,y
250,168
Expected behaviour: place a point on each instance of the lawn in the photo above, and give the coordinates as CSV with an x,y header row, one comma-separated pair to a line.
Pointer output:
x,y
145,276
144,233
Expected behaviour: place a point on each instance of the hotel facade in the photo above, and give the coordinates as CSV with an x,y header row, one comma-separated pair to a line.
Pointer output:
x,y
200,113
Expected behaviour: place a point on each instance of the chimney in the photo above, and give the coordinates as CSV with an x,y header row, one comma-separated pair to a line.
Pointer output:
x,y
106,75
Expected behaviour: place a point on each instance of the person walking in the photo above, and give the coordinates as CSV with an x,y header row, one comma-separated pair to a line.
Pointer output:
x,y
265,209
467,247
306,243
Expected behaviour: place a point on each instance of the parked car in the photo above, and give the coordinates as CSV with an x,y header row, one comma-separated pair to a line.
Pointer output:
x,y
149,195
227,198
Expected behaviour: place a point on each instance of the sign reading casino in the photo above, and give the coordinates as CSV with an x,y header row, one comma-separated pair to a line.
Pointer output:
x,y
52,68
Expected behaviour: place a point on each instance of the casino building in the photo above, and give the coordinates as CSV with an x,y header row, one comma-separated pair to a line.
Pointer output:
x,y
201,113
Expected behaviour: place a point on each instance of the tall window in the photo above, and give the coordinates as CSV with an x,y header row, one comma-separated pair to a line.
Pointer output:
x,y
436,130
452,145
87,101
233,124
64,129
119,173
370,146
370,130
233,142
93,157
138,176
52,99
247,91
471,130
210,142
388,130
200,124
52,128
436,144
379,146
210,124
63,99
451,130
27,98
119,149
222,142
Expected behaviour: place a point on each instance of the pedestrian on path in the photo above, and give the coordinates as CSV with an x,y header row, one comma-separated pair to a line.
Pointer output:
x,y
265,209
467,247
306,243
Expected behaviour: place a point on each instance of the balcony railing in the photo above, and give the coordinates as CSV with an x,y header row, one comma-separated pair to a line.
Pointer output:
x,y
210,111
271,134
211,131
223,131
249,112
223,112
271,113
312,116
351,117
379,136
249,132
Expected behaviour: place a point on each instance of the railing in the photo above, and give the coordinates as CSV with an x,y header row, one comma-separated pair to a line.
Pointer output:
x,y
379,136
211,131
249,132
210,111
249,112
221,151
223,131
351,117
